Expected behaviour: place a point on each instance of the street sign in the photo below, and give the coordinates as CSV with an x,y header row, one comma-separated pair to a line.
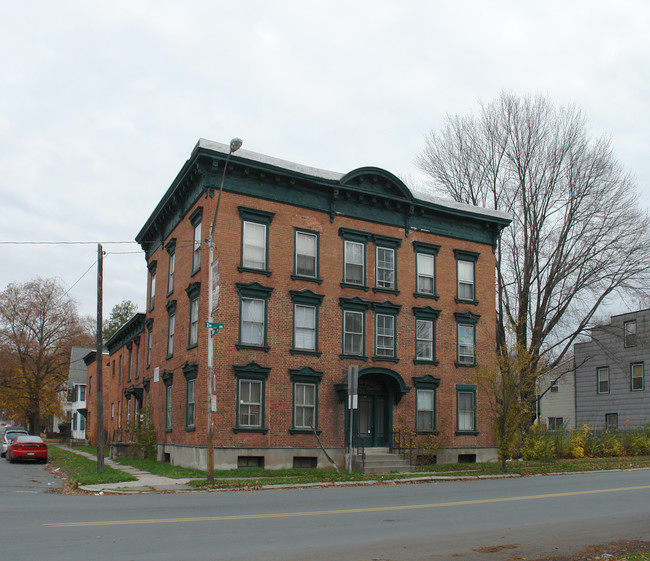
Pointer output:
x,y
213,325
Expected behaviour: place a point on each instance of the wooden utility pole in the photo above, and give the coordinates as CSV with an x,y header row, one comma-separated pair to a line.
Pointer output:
x,y
99,359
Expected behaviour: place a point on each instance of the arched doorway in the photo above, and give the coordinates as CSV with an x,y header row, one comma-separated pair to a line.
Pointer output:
x,y
379,390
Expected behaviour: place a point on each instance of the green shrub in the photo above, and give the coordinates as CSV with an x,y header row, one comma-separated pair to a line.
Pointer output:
x,y
538,444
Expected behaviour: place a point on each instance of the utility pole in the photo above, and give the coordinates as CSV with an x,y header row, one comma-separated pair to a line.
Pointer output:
x,y
235,144
99,359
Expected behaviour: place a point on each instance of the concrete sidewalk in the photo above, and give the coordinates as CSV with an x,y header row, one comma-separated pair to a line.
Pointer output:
x,y
146,482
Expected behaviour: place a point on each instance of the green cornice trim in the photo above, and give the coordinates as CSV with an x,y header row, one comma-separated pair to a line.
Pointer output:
x,y
369,194
126,333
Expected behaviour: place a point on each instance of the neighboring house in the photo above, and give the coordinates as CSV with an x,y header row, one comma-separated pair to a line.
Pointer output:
x,y
316,272
556,391
76,410
611,389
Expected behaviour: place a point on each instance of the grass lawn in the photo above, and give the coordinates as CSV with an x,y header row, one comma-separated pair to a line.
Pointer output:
x,y
82,470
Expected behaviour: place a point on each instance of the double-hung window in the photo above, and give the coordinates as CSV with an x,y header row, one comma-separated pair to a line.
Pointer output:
x,y
168,379
305,399
252,323
353,332
466,408
254,245
385,327
195,220
425,263
171,327
425,334
385,268
354,263
466,276
193,291
251,382
466,339
426,388
152,284
306,255
611,421
149,324
637,377
190,371
171,264
305,321
602,379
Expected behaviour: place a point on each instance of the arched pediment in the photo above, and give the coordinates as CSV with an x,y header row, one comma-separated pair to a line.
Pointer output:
x,y
377,181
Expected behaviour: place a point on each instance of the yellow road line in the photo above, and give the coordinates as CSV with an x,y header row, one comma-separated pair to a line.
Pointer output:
x,y
341,511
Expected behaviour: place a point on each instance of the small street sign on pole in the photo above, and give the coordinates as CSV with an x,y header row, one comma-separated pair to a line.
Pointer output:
x,y
353,403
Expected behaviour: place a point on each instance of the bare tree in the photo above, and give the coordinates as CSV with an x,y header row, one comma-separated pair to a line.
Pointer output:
x,y
578,236
39,324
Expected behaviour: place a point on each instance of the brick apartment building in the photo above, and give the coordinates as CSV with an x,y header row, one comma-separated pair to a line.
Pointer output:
x,y
317,271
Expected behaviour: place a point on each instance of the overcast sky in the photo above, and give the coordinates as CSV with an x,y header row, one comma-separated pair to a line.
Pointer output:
x,y
101,103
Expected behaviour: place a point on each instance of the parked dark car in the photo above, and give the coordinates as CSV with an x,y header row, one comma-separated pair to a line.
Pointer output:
x,y
8,436
27,447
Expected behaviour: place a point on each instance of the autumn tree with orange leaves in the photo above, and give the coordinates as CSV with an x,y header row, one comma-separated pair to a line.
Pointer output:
x,y
39,323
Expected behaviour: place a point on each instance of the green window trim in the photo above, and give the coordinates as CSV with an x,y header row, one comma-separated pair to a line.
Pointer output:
x,y
466,319
426,313
254,291
466,390
467,257
167,378
193,291
296,275
431,250
307,376
152,284
383,310
255,216
309,299
391,244
190,371
427,383
251,372
602,380
170,247
359,306
357,237
638,380
196,219
171,328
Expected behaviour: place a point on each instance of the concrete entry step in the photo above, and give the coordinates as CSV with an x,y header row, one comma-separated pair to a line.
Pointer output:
x,y
380,460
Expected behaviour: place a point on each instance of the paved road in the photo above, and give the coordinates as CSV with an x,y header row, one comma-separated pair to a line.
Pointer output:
x,y
513,518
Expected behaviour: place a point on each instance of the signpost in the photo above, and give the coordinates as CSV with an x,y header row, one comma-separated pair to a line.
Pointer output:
x,y
353,403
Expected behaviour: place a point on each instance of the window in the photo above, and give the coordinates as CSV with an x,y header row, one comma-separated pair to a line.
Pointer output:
x,y
425,263
168,380
251,382
137,356
191,403
425,335
112,410
354,263
465,272
171,326
353,333
629,330
304,327
602,375
306,255
555,388
196,219
190,370
425,410
466,404
193,291
152,284
384,335
304,405
171,250
129,347
82,393
254,248
385,269
305,399
636,371
466,339
555,423
252,324
250,403
149,324
611,421
82,422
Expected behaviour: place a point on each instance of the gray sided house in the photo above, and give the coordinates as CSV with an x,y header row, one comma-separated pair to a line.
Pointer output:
x,y
556,391
611,387
76,408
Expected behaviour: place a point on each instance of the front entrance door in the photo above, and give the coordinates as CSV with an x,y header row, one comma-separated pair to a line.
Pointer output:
x,y
373,420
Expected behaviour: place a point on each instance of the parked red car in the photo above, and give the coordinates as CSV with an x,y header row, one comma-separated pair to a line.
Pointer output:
x,y
27,447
